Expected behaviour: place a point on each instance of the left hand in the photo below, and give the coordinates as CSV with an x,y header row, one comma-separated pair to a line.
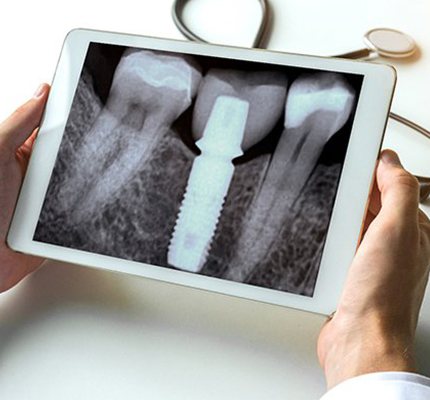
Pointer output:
x,y
17,135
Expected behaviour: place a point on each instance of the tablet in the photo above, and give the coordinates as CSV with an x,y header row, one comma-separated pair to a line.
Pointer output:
x,y
244,172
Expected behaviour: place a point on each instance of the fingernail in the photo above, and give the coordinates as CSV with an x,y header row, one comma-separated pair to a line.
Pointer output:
x,y
390,157
39,91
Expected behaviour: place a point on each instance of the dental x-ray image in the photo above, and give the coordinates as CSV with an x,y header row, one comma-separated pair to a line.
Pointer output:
x,y
214,166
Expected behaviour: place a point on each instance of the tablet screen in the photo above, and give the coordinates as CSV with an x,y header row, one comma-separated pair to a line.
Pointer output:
x,y
214,166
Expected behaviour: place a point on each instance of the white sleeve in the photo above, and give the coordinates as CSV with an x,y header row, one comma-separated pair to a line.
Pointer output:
x,y
382,385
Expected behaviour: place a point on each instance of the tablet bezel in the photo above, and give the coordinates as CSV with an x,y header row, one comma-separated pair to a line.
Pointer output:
x,y
348,211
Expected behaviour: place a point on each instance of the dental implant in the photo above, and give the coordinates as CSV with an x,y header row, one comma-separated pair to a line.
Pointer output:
x,y
208,184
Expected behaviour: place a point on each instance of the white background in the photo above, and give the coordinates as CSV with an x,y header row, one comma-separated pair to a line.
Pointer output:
x,y
69,332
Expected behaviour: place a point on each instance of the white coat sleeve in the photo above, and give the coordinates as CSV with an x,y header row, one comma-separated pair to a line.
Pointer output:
x,y
382,385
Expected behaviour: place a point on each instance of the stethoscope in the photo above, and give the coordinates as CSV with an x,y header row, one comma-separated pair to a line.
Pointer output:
x,y
382,42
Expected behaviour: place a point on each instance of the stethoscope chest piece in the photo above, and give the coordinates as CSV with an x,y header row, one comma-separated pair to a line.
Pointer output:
x,y
390,43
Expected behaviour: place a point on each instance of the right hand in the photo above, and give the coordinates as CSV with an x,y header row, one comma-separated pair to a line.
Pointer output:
x,y
374,326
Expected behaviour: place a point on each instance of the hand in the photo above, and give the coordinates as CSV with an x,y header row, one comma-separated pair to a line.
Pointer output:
x,y
17,135
374,326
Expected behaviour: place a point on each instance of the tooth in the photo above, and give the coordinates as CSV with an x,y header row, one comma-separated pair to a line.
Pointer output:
x,y
226,101
265,91
317,107
148,93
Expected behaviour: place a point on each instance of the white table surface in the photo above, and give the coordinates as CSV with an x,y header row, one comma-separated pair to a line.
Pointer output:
x,y
69,332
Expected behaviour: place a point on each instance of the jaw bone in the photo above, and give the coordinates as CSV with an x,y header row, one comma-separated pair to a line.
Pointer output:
x,y
148,93
240,110
317,107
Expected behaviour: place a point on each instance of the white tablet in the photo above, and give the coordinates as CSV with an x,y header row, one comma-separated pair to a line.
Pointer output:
x,y
244,172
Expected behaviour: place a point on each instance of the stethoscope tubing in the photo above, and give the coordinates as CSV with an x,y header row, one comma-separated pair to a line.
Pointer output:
x,y
178,7
410,124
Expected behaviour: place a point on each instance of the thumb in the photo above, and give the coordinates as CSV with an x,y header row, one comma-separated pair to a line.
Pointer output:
x,y
19,126
399,189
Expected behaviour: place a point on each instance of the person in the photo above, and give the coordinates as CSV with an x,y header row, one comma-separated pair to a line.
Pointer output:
x,y
366,348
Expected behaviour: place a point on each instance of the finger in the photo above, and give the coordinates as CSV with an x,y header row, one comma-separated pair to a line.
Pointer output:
x,y
399,189
373,207
19,126
368,219
24,152
374,200
28,144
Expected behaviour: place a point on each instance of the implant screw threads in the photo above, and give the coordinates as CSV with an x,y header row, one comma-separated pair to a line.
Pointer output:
x,y
199,212
208,184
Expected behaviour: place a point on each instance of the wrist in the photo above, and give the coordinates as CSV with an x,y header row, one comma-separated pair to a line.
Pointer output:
x,y
358,349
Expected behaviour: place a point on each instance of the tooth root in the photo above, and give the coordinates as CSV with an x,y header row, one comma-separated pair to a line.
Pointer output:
x,y
87,162
269,212
313,115
127,158
106,161
292,163
208,184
